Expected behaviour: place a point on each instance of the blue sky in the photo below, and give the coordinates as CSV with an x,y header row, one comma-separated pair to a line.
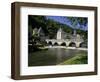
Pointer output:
x,y
65,20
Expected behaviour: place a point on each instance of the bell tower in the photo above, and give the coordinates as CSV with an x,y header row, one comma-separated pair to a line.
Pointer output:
x,y
59,34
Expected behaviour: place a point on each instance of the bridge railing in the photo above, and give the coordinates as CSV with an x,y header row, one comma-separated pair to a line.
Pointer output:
x,y
63,40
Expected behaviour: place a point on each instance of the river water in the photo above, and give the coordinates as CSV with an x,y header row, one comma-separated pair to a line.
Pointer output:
x,y
52,56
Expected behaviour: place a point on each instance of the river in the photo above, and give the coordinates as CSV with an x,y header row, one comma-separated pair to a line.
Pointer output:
x,y
52,56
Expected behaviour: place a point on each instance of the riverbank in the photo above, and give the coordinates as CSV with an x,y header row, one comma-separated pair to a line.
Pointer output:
x,y
78,59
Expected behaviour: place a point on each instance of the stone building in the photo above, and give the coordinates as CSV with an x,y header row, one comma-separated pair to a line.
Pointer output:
x,y
40,33
60,34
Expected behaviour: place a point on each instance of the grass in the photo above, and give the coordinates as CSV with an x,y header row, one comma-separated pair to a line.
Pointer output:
x,y
78,59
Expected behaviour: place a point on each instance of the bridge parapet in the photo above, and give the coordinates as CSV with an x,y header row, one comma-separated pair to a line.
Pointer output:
x,y
66,41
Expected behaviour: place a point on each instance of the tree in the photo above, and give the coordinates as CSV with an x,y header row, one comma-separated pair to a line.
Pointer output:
x,y
75,21
79,22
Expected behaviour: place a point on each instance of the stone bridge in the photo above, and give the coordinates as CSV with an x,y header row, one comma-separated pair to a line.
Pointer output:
x,y
66,42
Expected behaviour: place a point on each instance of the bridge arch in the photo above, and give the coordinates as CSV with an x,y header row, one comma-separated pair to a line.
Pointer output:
x,y
83,45
49,43
55,44
63,44
72,44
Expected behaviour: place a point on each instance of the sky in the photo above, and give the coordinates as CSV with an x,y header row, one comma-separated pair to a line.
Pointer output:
x,y
65,20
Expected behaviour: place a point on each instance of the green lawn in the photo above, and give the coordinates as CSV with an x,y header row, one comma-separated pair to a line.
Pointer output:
x,y
78,59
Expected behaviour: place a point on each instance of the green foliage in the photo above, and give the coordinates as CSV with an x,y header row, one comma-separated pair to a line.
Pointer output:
x,y
50,26
84,34
78,20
